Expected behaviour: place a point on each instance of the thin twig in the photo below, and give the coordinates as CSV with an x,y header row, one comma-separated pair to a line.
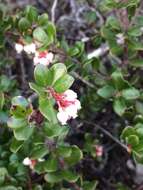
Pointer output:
x,y
108,134
76,75
23,72
53,10
103,49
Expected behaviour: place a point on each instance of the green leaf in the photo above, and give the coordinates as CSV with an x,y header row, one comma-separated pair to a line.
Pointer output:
x,y
43,19
20,101
139,107
3,174
23,133
54,130
53,177
38,89
24,24
64,151
9,187
130,94
31,13
51,31
58,71
137,63
119,106
64,83
106,91
2,100
77,50
133,140
39,152
134,32
89,185
70,176
75,156
113,23
118,80
51,165
16,145
16,123
40,35
127,132
42,76
47,109
139,129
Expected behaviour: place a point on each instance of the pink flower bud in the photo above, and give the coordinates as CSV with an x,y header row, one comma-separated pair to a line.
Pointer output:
x,y
99,151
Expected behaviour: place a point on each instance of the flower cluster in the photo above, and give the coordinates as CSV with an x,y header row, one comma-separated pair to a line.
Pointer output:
x,y
29,162
68,105
28,48
43,57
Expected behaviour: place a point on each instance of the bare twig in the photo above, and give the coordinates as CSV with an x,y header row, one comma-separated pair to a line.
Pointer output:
x,y
109,135
99,52
23,72
53,10
76,75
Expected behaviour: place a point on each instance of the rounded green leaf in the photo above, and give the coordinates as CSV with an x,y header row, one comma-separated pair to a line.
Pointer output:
x,y
127,132
58,71
23,133
39,152
70,176
40,35
139,129
118,80
133,140
53,177
8,187
54,130
63,83
106,91
130,94
47,109
16,145
43,19
64,151
119,106
2,100
51,165
20,101
89,185
24,24
16,123
31,13
42,76
75,156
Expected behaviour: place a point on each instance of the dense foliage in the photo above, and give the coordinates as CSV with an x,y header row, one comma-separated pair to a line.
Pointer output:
x,y
50,139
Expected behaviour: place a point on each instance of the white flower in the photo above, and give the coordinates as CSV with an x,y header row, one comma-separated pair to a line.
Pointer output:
x,y
70,95
27,161
120,39
43,58
62,117
19,48
68,106
30,48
